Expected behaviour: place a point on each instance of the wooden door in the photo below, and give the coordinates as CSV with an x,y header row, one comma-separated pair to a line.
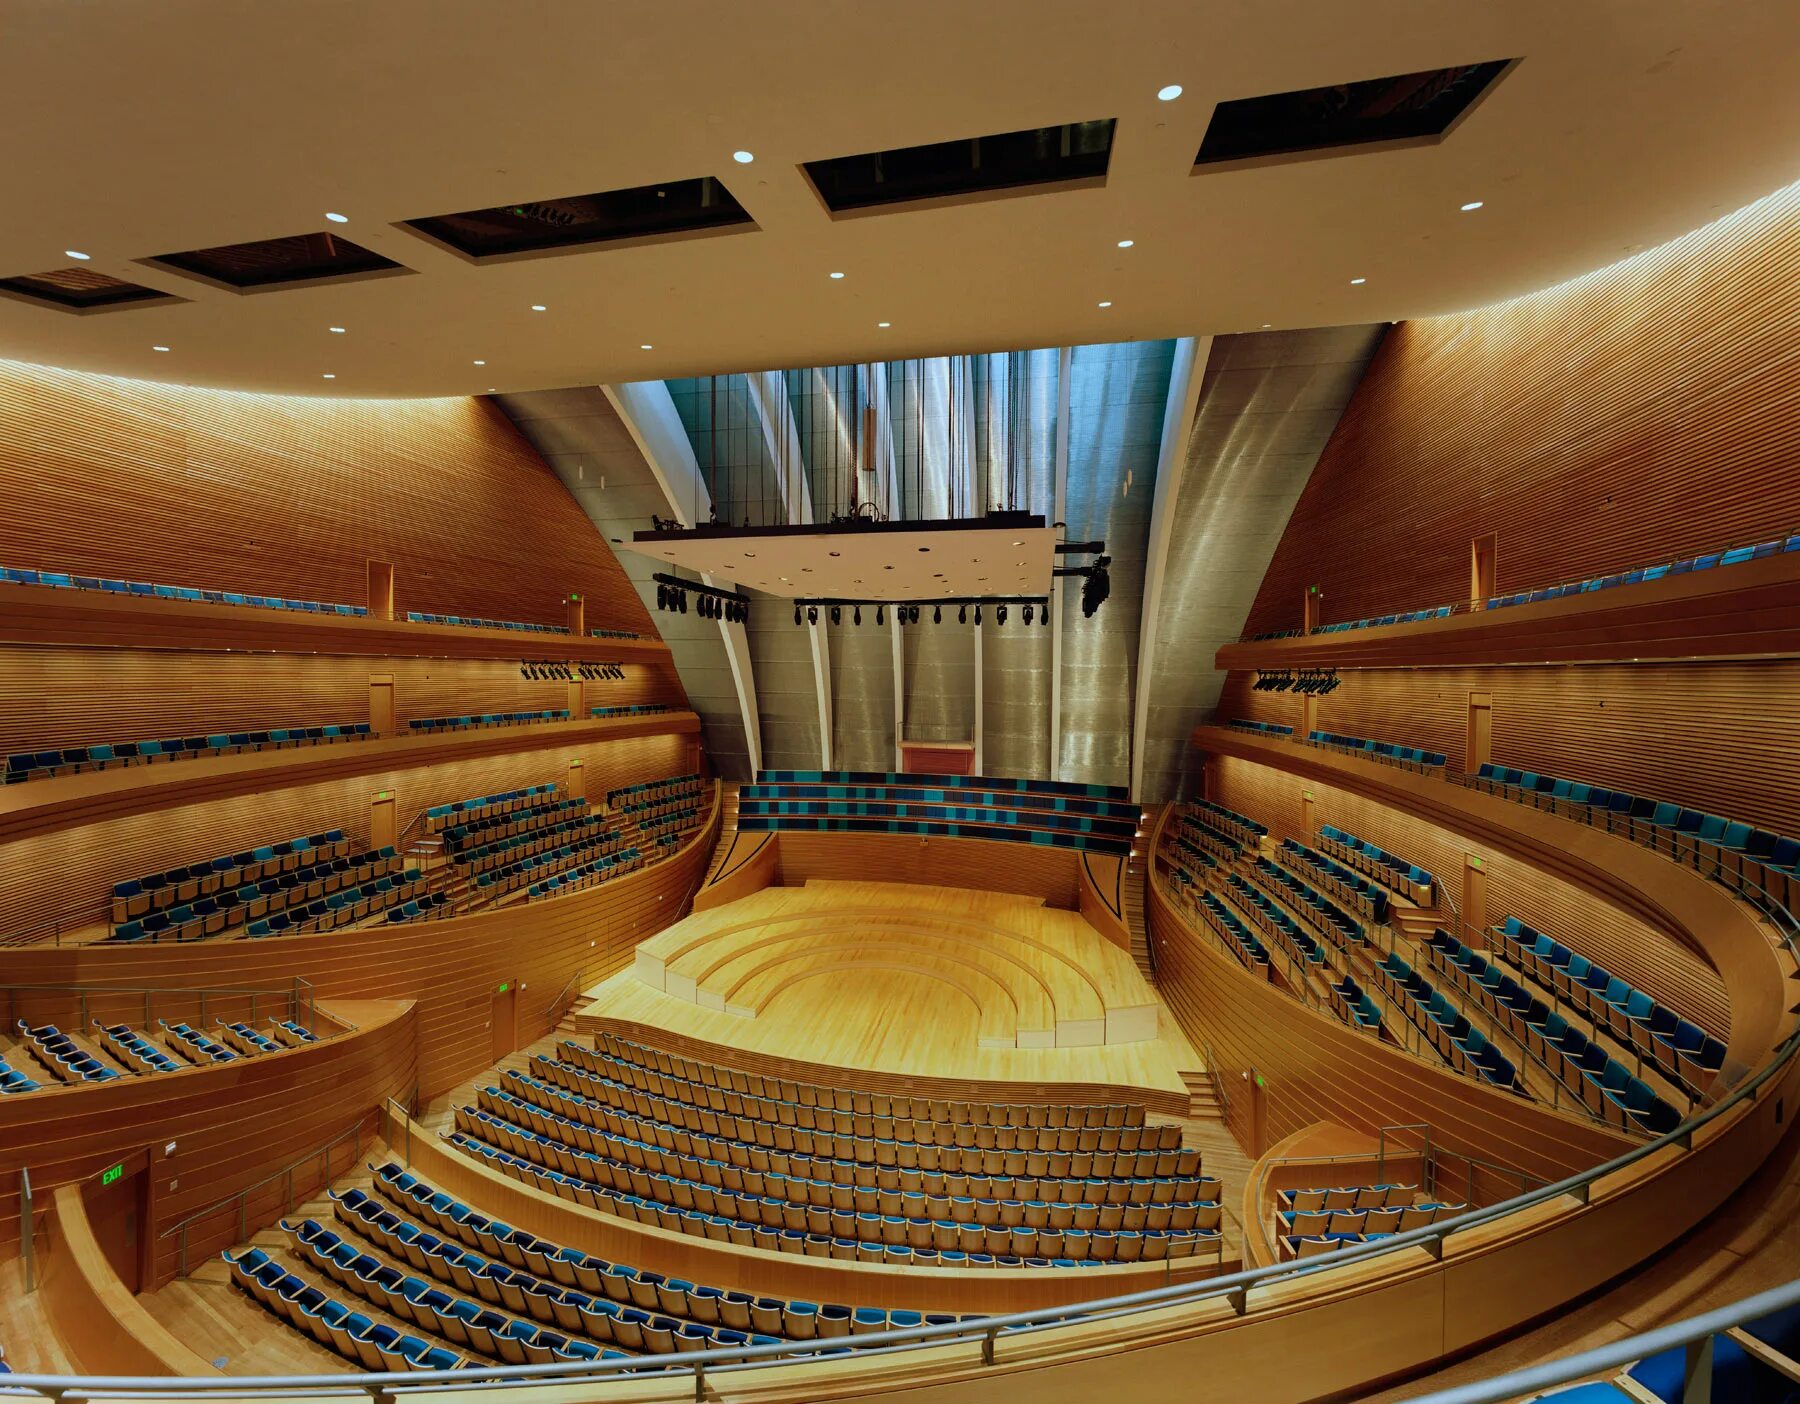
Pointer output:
x,y
1478,747
505,1019
119,1213
384,822
381,704
381,589
1481,571
1309,824
1474,893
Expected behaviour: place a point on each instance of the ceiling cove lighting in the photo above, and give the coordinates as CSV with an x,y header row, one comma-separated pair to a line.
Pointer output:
x,y
1358,282
539,307
336,218
884,325
329,376
1472,205
76,254
1103,304
1126,243
159,348
743,158
1168,93
646,346
837,275
339,331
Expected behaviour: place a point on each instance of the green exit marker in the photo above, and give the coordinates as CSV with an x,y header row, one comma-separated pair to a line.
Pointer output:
x,y
1259,1081
505,985
1475,863
113,1174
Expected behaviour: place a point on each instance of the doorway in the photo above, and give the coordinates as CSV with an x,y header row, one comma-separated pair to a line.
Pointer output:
x,y
504,1020
118,1206
1481,571
1474,893
1478,748
381,703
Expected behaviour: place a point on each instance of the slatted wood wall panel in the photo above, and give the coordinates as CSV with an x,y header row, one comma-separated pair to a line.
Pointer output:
x,y
1646,411
231,1125
451,967
73,872
291,495
983,864
1316,1069
55,697
1649,959
1713,736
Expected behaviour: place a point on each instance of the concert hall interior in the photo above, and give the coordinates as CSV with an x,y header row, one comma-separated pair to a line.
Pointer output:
x,y
819,702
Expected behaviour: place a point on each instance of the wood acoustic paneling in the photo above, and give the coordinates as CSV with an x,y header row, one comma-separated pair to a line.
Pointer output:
x,y
231,1125
1712,736
1684,909
66,870
1648,959
451,968
56,697
984,864
294,496
1644,412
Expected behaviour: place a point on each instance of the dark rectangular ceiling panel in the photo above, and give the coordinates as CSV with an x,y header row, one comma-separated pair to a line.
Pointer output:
x,y
80,288
969,165
643,211
263,263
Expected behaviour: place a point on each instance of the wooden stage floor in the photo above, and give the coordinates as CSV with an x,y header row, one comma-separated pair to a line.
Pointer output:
x,y
905,980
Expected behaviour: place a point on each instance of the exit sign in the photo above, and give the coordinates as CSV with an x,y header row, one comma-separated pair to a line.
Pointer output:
x,y
112,1174
1475,863
505,985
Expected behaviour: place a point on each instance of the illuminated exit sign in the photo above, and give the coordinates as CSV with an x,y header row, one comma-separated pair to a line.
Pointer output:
x,y
505,985
112,1175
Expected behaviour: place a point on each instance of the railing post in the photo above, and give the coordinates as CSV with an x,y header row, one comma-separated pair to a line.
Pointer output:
x,y
699,1381
182,1257
1697,1371
987,1345
27,1250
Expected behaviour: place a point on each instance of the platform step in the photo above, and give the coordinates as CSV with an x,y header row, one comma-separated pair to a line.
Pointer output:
x,y
1204,1102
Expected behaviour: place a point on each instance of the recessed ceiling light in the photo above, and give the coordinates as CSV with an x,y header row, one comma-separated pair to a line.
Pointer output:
x,y
539,307
1018,543
480,363
743,158
1169,93
491,390
76,254
837,275
1472,205
1103,304
336,218
338,330
1358,282
884,324
1126,243
646,346
1267,325
159,348
329,376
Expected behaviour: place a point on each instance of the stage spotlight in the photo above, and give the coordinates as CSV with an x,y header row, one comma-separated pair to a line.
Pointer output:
x,y
962,614
681,600
856,616
796,614
812,614
662,596
937,614
1046,614
912,614
1000,615
978,616
1028,613
837,615
880,614
1097,586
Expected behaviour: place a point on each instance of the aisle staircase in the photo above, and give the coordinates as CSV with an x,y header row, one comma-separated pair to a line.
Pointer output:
x,y
728,827
1136,876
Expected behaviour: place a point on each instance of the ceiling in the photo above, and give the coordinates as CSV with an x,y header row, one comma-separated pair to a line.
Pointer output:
x,y
134,130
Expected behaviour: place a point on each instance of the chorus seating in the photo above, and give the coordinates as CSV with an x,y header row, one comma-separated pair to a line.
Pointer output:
x,y
1733,851
1603,1084
14,1080
585,875
1066,788
456,621
1335,1197
63,1057
434,724
404,1205
633,709
442,816
146,590
1388,869
1237,937
1386,751
1446,1027
1325,915
39,765
358,1338
674,787
810,1105
1260,728
991,825
1676,1046
1367,898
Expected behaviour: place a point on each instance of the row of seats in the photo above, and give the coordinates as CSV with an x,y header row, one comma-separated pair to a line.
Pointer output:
x,y
69,1058
1448,1029
738,1165
474,833
1214,842
42,765
142,589
1261,728
1756,1363
267,899
1413,616
1378,750
1388,869
670,787
1233,825
1369,898
1079,1248
1043,838
1230,929
1352,1004
1273,921
840,1109
1605,1085
13,1080
485,719
64,1058
681,801
633,709
669,824
1122,817
457,621
397,897
632,1288
599,852
1346,1197
960,782
1716,846
883,1149
586,875
1677,1046
613,634
504,853
1392,1219
1324,914
138,896
1189,854
1078,826
441,816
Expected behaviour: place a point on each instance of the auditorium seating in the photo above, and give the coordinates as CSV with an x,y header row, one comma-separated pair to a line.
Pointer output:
x,y
1385,751
649,797
396,895
1413,616
1676,1046
1446,1027
1351,1004
1361,895
142,589
1325,915
117,1050
1578,1063
485,719
441,816
1235,826
16,1079
457,621
64,1057
1213,841
585,875
39,765
1261,728
1734,852
1288,934
635,709
1237,937
1388,869
613,634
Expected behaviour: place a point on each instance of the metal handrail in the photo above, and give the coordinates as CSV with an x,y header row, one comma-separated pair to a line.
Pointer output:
x,y
298,994
1695,1333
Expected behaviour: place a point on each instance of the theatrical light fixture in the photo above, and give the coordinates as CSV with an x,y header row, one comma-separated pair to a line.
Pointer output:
x,y
796,615
880,615
978,615
1000,615
856,618
1046,614
837,615
1097,587
812,614
1028,613
962,615
912,614
937,614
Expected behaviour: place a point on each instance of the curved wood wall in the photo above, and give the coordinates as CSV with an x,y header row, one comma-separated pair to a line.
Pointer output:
x,y
1643,412
294,495
221,806
231,1125
984,864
